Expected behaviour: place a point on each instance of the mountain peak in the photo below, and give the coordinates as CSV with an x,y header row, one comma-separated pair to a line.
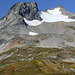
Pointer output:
x,y
28,10
60,6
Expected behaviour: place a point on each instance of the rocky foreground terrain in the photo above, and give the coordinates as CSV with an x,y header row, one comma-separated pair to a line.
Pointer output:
x,y
44,49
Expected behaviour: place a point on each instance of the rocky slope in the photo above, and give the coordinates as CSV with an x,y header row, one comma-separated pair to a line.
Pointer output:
x,y
13,26
28,36
38,61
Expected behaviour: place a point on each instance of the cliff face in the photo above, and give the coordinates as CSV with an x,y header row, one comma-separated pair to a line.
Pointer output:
x,y
27,10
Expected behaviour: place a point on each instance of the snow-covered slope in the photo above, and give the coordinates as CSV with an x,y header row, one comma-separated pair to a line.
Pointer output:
x,y
53,15
33,22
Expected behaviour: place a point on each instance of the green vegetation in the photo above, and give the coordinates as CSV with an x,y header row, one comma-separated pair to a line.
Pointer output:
x,y
37,61
72,27
34,67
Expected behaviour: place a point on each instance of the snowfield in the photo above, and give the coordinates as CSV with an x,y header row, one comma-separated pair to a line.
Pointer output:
x,y
54,15
33,22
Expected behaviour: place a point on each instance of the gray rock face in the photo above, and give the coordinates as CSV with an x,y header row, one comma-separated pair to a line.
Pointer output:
x,y
27,10
58,34
12,24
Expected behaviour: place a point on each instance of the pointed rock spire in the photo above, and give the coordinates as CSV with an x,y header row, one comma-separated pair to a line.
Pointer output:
x,y
60,6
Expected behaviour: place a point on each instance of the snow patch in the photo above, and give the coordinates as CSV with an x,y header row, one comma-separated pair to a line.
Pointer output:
x,y
33,33
33,22
55,11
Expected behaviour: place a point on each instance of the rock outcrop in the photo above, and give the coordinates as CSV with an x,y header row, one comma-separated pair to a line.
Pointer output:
x,y
27,10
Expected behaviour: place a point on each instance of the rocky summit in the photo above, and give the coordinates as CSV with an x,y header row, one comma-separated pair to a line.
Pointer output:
x,y
36,42
27,10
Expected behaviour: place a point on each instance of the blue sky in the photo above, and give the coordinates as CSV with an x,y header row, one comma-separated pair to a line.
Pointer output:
x,y
42,5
